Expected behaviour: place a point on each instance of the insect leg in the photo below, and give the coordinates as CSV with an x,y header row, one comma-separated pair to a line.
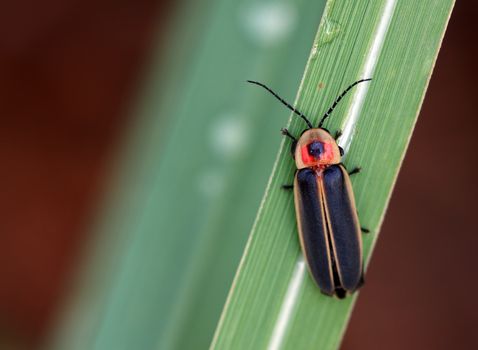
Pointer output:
x,y
362,280
286,132
287,187
355,171
338,133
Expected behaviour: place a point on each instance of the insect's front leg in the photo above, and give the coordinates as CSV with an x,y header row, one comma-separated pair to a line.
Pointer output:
x,y
338,133
286,132
355,170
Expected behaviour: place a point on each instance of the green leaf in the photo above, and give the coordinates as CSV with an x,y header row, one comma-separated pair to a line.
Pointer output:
x,y
273,302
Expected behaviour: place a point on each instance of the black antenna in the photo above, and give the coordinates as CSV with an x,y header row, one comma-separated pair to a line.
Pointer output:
x,y
284,102
327,114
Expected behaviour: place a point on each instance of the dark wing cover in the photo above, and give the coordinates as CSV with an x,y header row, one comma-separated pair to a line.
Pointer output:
x,y
312,228
344,226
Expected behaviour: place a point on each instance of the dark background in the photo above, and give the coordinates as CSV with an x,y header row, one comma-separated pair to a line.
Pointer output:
x,y
68,69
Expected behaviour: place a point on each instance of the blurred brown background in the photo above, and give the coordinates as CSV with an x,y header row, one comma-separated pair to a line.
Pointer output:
x,y
68,70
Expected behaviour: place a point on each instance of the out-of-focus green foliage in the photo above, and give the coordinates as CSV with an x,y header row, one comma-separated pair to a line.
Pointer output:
x,y
189,178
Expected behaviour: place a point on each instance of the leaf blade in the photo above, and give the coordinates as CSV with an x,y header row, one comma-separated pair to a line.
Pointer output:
x,y
382,135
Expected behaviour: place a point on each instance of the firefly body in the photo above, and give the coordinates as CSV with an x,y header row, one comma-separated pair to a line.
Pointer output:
x,y
328,225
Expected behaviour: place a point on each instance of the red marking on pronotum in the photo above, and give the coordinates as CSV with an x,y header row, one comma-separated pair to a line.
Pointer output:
x,y
325,157
306,157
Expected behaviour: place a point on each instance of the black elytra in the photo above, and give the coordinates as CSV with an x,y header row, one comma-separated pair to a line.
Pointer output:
x,y
329,230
